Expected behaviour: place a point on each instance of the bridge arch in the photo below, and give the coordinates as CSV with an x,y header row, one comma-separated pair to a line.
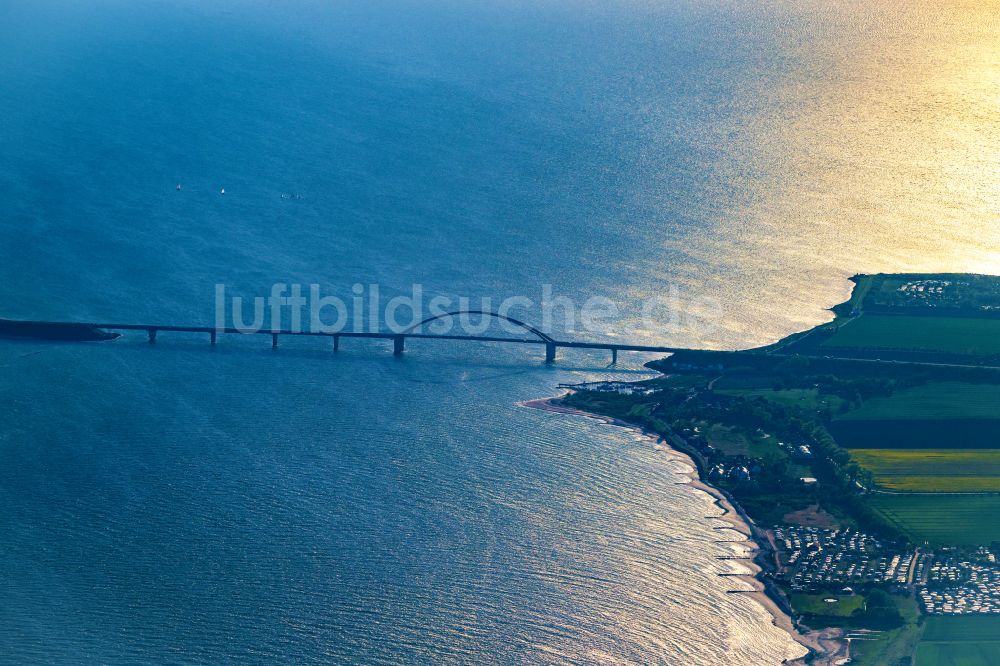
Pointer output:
x,y
527,327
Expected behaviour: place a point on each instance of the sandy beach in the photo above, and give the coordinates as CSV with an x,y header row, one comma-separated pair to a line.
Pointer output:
x,y
826,647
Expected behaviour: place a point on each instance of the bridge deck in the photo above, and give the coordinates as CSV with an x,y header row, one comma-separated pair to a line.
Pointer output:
x,y
208,330
10,328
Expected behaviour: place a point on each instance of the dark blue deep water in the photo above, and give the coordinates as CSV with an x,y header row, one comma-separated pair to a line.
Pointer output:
x,y
183,504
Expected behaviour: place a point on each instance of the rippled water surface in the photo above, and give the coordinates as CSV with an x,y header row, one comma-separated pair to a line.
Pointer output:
x,y
183,503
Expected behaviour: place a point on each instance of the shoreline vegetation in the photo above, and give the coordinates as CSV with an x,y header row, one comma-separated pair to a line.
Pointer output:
x,y
801,444
823,647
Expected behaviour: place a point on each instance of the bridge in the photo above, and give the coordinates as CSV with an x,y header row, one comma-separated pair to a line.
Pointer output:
x,y
72,331
76,331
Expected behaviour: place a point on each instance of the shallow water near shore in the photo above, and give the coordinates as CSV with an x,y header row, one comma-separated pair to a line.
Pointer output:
x,y
184,503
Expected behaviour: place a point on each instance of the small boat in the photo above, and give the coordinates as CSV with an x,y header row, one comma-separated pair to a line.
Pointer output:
x,y
222,191
178,187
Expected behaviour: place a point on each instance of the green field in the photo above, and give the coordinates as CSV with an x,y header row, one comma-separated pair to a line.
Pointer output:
x,y
952,335
933,470
962,628
917,434
886,648
941,484
971,640
893,647
807,398
958,654
732,442
815,604
934,400
956,520
937,415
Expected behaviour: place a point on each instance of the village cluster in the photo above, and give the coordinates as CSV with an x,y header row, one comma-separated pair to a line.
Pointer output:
x,y
962,584
814,559
927,287
948,582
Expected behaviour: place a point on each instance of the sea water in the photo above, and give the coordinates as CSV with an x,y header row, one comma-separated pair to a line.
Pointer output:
x,y
182,503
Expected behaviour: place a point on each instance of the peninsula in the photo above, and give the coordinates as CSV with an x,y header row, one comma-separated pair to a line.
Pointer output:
x,y
864,455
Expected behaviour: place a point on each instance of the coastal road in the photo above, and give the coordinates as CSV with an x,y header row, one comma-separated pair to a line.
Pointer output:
x,y
913,567
880,361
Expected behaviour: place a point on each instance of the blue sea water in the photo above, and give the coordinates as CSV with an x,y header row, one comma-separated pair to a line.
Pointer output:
x,y
238,504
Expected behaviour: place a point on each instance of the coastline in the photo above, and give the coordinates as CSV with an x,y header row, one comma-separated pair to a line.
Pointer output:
x,y
825,647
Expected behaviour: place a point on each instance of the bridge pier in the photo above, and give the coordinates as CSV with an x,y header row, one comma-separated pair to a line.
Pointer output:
x,y
215,337
397,345
614,357
550,352
274,341
152,336
336,343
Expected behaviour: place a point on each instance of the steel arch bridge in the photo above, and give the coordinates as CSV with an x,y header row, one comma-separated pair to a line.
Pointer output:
x,y
487,313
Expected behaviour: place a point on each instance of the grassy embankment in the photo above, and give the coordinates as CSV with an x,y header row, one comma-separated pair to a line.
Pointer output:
x,y
895,646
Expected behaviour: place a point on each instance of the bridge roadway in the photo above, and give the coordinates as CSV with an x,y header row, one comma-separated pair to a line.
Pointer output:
x,y
398,339
48,330
551,344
